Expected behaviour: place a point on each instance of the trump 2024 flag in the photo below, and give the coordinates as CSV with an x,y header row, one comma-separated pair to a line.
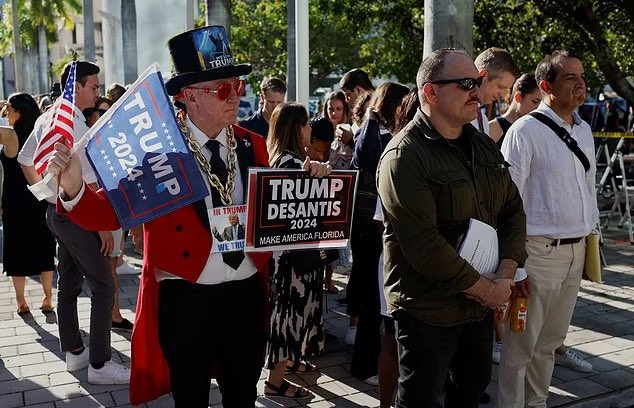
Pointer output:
x,y
140,155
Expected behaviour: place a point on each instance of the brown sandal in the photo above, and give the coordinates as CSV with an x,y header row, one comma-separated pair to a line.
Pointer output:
x,y
22,310
47,309
280,392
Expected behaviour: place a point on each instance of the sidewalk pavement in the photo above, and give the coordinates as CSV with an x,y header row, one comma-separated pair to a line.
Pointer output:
x,y
32,369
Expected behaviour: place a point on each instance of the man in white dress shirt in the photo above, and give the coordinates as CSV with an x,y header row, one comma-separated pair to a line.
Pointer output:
x,y
80,253
561,210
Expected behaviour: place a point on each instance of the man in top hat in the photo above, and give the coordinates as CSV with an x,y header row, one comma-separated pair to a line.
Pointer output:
x,y
197,309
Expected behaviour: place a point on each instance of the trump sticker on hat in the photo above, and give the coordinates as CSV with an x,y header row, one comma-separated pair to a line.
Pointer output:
x,y
213,47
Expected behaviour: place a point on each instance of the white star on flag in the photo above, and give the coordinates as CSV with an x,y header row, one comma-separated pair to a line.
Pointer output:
x,y
108,162
166,130
144,197
103,151
164,124
174,149
111,168
138,184
114,174
169,137
171,143
141,191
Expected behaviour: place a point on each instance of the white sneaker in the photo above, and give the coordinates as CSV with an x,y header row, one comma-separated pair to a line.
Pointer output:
x,y
351,334
127,269
77,362
110,373
497,352
570,359
374,380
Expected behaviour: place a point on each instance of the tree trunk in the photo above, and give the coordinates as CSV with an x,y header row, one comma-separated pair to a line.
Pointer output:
x,y
89,32
42,58
219,13
17,49
598,43
128,31
448,24
291,75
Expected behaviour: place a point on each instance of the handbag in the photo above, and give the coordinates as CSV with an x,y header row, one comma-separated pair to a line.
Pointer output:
x,y
565,137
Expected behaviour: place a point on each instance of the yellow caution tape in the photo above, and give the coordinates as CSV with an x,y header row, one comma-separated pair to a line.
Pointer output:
x,y
613,135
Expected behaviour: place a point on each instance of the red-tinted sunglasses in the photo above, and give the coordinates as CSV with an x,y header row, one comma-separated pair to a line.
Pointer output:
x,y
223,91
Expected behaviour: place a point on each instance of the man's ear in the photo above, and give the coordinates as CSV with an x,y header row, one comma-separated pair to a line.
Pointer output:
x,y
544,86
483,72
430,92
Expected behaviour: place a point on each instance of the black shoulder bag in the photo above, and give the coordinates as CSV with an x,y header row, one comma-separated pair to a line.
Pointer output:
x,y
565,137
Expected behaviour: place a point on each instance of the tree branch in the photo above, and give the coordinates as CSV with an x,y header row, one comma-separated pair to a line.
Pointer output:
x,y
588,21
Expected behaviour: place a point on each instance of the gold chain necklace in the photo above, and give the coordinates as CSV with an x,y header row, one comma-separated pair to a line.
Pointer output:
x,y
227,190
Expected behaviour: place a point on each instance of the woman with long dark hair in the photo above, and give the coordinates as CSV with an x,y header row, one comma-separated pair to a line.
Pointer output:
x,y
29,247
296,325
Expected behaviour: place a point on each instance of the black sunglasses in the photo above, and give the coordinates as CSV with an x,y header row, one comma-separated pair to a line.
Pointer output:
x,y
466,84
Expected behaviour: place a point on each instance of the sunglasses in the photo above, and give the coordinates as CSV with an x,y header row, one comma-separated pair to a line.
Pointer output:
x,y
466,84
223,91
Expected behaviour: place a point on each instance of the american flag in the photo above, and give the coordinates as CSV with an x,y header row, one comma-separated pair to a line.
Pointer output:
x,y
61,127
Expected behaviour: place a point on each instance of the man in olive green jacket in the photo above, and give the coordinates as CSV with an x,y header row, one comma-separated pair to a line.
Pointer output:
x,y
434,176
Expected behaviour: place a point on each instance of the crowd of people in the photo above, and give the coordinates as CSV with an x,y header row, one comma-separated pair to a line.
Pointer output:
x,y
428,161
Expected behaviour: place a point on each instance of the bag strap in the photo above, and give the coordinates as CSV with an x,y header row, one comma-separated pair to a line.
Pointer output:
x,y
565,137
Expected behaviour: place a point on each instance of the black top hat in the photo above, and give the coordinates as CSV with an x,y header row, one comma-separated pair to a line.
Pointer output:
x,y
200,55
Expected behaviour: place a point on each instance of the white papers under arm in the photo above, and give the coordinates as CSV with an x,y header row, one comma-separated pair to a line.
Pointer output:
x,y
479,247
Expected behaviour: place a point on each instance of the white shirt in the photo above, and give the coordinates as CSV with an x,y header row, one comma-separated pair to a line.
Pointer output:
x,y
215,271
559,197
485,120
27,154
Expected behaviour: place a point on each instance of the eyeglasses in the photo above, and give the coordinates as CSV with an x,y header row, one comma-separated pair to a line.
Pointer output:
x,y
466,84
224,89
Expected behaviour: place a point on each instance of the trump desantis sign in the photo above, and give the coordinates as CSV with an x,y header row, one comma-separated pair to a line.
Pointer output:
x,y
140,155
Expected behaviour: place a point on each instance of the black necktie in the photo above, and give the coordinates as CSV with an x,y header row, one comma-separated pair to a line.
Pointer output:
x,y
218,167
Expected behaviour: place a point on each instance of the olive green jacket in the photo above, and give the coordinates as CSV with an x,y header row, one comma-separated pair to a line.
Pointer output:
x,y
429,191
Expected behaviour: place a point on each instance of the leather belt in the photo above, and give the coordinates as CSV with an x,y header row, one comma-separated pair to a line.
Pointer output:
x,y
566,241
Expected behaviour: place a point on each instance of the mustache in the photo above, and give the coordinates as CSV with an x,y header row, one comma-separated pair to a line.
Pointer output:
x,y
473,100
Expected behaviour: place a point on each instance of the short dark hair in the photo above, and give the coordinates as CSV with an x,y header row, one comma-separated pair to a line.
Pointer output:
x,y
322,129
273,84
356,77
84,70
432,65
496,61
547,69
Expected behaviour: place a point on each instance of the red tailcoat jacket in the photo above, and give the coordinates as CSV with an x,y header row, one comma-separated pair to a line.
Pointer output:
x,y
179,243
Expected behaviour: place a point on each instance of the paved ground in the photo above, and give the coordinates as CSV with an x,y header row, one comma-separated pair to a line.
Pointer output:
x,y
32,370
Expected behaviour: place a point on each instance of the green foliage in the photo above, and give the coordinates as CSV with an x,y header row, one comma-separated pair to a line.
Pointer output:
x,y
258,36
32,13
343,35
530,29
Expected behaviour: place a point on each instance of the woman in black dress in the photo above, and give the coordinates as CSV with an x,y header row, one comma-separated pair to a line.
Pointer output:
x,y
296,325
29,247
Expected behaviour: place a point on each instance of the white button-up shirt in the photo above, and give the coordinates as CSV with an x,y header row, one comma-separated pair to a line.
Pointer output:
x,y
559,195
215,271
27,154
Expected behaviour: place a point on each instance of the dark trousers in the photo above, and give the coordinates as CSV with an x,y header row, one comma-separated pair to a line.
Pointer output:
x,y
204,324
426,353
362,295
79,255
